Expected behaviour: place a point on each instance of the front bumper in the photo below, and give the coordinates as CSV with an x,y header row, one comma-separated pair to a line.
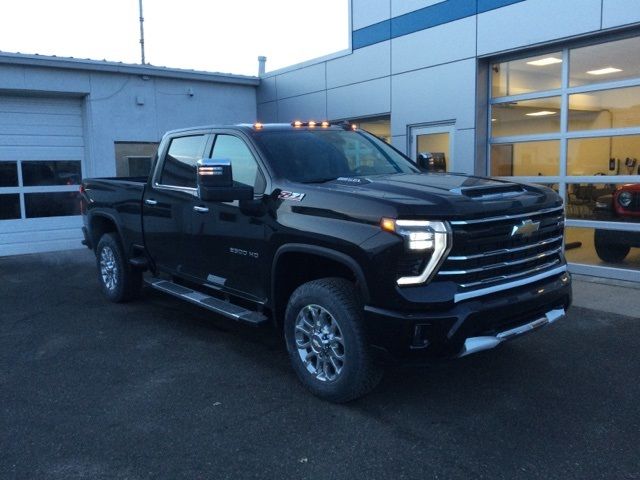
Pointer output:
x,y
470,325
478,344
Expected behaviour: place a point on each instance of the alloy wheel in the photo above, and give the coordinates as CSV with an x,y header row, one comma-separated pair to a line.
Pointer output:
x,y
108,268
320,343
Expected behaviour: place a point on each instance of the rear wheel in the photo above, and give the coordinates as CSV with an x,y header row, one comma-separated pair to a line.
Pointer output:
x,y
326,340
120,282
608,250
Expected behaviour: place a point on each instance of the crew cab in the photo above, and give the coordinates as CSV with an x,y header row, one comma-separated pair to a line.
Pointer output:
x,y
330,234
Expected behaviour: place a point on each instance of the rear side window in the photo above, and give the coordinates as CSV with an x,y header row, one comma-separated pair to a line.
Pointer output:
x,y
179,168
243,164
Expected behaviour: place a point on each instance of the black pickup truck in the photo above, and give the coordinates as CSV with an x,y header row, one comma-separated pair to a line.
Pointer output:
x,y
350,248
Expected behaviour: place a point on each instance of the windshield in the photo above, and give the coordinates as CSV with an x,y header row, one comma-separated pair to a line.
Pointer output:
x,y
313,156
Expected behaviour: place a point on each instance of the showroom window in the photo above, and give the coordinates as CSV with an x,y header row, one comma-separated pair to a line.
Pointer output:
x,y
379,126
570,119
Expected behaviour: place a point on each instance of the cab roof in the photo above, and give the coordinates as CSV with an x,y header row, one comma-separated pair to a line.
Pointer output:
x,y
253,127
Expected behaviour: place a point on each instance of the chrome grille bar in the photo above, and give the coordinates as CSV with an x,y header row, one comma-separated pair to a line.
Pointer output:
x,y
459,297
505,250
501,278
507,217
495,266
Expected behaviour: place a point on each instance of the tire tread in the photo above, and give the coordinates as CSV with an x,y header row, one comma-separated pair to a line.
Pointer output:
x,y
345,292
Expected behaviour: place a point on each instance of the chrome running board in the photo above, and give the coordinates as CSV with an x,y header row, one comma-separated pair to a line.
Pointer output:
x,y
478,344
213,304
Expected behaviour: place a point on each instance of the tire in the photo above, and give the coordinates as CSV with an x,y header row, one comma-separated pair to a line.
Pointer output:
x,y
119,281
339,365
608,250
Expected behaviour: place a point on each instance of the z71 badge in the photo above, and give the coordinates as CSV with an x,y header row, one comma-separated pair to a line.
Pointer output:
x,y
294,197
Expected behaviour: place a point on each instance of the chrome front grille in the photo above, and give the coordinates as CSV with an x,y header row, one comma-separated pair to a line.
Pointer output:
x,y
489,250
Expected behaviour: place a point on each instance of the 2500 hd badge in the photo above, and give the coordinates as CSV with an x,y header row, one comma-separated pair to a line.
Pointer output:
x,y
244,253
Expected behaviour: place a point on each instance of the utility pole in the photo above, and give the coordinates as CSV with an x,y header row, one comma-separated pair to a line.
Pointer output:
x,y
141,32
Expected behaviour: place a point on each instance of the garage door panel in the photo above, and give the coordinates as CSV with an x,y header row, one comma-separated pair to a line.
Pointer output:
x,y
40,141
41,153
39,120
59,106
41,235
65,130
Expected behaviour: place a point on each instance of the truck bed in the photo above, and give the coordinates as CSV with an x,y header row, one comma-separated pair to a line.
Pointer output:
x,y
120,199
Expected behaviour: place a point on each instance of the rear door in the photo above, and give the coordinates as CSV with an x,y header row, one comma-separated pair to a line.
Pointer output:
x,y
168,202
229,238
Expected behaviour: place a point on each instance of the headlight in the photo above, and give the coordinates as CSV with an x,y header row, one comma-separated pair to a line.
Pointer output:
x,y
431,237
625,199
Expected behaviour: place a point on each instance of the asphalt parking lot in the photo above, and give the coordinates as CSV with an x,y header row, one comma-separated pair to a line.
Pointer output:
x,y
160,389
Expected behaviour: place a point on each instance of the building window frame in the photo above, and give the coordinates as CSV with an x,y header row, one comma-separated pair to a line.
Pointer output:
x,y
563,180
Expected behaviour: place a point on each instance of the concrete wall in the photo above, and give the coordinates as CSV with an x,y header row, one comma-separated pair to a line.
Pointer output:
x,y
431,74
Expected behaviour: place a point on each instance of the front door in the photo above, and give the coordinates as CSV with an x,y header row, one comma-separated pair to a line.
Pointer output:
x,y
228,238
168,203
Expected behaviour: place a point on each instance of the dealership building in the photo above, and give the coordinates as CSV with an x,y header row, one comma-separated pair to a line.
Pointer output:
x,y
541,91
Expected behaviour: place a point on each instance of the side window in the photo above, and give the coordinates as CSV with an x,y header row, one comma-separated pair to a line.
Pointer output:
x,y
243,164
179,169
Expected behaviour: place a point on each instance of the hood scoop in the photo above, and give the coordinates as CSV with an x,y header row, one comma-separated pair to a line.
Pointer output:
x,y
491,192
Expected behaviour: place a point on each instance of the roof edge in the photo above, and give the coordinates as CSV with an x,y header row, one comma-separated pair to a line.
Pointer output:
x,y
70,63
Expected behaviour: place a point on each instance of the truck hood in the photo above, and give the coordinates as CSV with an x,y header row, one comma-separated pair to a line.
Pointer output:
x,y
444,195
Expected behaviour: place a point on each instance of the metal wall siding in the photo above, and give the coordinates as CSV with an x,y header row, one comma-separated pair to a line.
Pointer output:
x,y
432,16
424,18
376,33
486,5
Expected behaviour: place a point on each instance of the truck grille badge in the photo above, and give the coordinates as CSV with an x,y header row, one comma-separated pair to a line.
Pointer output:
x,y
525,229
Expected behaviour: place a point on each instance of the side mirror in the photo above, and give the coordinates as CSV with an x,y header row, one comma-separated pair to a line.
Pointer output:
x,y
214,173
215,182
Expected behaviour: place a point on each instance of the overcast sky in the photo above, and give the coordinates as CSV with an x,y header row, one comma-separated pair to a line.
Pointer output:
x,y
215,35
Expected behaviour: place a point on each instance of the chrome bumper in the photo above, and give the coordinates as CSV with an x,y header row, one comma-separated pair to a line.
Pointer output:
x,y
478,344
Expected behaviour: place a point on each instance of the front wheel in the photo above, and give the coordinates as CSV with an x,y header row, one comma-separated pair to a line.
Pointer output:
x,y
325,338
120,282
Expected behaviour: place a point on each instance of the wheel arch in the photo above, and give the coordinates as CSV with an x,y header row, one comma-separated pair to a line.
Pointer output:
x,y
299,256
101,223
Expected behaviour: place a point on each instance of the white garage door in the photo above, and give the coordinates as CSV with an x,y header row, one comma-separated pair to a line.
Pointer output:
x,y
41,166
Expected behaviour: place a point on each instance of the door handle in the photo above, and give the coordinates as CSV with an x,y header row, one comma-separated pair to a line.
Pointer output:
x,y
201,209
151,201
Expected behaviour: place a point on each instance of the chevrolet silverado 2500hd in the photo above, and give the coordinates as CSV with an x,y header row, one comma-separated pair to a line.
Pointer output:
x,y
336,238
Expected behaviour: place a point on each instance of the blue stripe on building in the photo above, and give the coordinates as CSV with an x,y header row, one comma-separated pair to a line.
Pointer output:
x,y
428,17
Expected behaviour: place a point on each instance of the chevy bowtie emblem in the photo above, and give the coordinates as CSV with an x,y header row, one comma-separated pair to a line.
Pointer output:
x,y
526,228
